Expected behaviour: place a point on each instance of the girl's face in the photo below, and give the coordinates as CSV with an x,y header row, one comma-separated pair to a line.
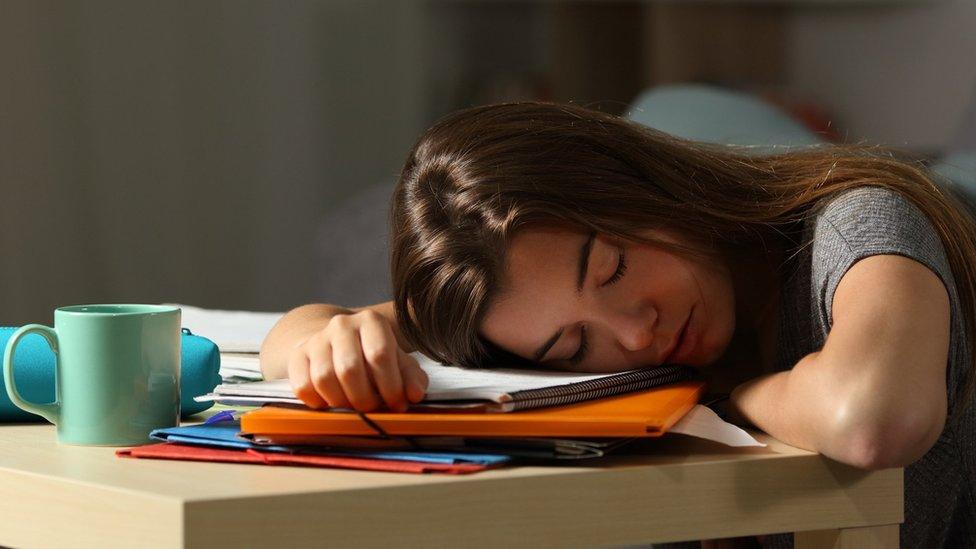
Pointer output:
x,y
593,304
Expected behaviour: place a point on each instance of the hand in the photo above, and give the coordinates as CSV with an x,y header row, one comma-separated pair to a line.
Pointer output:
x,y
355,362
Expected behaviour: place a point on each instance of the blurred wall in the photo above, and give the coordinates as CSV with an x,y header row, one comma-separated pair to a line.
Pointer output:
x,y
185,151
190,152
481,52
901,74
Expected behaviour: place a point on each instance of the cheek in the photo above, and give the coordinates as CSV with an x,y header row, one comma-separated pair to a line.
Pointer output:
x,y
721,315
662,276
613,358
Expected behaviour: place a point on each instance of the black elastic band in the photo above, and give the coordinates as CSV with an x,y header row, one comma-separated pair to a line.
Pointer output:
x,y
383,434
373,424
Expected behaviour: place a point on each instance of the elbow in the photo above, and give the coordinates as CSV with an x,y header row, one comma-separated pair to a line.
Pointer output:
x,y
269,368
886,444
263,359
266,372
871,451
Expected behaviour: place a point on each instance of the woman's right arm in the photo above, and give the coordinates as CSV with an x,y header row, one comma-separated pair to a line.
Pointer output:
x,y
350,358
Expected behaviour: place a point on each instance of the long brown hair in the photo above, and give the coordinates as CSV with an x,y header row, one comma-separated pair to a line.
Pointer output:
x,y
479,175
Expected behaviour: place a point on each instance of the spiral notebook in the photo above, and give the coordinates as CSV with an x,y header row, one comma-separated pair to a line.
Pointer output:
x,y
646,413
482,390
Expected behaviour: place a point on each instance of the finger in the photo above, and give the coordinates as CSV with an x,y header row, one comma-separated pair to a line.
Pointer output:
x,y
324,378
414,378
301,383
350,368
380,351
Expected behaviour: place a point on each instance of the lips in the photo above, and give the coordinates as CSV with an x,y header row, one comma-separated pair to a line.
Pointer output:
x,y
677,346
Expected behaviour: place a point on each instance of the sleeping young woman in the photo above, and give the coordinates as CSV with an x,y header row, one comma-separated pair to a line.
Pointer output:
x,y
829,290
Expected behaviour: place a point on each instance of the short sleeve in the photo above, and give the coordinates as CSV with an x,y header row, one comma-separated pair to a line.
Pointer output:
x,y
871,221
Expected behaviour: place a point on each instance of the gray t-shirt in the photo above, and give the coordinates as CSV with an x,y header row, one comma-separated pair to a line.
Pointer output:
x,y
862,222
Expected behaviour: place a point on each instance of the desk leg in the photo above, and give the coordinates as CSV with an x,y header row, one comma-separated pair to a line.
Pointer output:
x,y
872,537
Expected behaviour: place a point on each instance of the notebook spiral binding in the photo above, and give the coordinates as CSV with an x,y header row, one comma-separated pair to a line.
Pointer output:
x,y
598,388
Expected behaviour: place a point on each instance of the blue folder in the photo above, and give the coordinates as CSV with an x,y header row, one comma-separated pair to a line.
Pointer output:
x,y
223,434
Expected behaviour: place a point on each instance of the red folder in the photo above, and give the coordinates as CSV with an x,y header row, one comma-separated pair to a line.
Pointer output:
x,y
168,450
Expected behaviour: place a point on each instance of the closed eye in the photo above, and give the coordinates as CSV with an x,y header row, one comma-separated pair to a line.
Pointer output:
x,y
621,269
584,346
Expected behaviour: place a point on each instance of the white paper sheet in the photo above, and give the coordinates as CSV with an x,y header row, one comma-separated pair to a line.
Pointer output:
x,y
702,422
248,362
453,382
232,331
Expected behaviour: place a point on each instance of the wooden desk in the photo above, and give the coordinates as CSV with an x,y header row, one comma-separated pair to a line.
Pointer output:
x,y
677,488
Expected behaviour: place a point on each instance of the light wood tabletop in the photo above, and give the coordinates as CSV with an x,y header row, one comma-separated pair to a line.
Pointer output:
x,y
669,489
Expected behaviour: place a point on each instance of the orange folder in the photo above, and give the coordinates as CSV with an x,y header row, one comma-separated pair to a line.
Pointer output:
x,y
648,413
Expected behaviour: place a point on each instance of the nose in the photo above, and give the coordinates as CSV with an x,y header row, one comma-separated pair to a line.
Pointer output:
x,y
635,329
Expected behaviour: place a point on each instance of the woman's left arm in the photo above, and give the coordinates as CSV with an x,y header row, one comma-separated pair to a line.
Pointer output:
x,y
875,395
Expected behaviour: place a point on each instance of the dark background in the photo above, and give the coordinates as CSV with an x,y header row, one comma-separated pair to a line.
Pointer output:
x,y
191,152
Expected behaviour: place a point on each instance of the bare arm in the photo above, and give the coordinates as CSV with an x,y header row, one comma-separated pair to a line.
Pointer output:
x,y
301,323
875,395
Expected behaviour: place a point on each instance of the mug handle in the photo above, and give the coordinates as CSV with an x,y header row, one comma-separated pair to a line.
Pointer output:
x,y
51,411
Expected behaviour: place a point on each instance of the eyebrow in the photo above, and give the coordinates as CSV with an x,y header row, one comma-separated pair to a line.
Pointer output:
x,y
584,262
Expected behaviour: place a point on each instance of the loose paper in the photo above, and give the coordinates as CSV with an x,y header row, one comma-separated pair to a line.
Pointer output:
x,y
702,422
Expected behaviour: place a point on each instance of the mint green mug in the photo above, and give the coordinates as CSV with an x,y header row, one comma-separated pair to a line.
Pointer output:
x,y
117,372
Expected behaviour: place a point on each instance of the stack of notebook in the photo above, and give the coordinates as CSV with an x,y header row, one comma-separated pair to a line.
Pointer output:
x,y
470,419
453,388
240,367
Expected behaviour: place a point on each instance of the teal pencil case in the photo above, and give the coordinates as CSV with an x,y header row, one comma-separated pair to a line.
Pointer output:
x,y
34,372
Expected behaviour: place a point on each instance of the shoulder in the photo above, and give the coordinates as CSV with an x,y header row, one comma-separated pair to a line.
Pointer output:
x,y
871,220
864,222
867,221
